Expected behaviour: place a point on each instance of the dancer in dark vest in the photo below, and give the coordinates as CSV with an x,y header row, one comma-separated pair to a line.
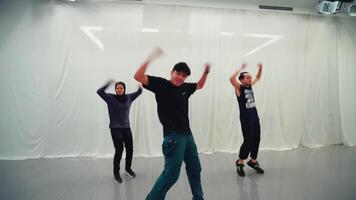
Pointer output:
x,y
250,123
119,108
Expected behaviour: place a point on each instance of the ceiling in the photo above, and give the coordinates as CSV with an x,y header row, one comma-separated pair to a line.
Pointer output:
x,y
298,6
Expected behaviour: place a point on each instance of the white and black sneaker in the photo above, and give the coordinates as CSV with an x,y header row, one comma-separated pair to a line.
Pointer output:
x,y
130,173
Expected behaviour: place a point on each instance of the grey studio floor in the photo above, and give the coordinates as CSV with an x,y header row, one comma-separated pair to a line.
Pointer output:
x,y
326,173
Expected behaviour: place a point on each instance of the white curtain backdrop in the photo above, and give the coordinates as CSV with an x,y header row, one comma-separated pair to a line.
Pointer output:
x,y
55,55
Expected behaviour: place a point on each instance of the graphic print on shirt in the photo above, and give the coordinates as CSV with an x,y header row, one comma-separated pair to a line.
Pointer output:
x,y
250,99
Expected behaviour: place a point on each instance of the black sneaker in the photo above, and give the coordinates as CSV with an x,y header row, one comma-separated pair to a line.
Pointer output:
x,y
240,169
118,178
130,173
255,166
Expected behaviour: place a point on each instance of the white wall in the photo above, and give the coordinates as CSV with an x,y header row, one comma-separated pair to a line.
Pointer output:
x,y
55,55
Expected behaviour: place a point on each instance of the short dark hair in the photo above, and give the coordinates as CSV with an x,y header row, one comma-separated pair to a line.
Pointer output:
x,y
182,67
242,75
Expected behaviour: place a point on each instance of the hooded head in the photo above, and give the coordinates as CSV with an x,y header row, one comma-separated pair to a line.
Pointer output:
x,y
120,88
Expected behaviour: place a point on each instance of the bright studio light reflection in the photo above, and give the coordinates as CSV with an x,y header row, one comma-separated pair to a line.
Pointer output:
x,y
272,39
227,33
88,30
150,30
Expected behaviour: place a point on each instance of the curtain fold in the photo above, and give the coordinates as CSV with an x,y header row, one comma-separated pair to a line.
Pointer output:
x,y
55,55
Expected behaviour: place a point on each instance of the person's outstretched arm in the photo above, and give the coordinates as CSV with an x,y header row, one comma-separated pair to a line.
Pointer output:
x,y
101,91
204,76
140,74
233,79
134,95
259,73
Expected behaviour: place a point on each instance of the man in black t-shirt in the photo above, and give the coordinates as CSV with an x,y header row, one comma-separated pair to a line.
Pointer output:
x,y
178,144
250,123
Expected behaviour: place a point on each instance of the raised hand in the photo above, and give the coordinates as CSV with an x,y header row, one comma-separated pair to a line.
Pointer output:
x,y
244,65
207,68
111,81
156,52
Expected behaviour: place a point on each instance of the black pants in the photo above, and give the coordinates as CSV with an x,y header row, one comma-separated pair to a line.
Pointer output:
x,y
121,137
251,133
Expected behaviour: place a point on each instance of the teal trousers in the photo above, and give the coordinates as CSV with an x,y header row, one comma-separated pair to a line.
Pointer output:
x,y
176,149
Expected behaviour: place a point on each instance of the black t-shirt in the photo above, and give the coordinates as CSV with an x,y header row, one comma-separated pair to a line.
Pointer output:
x,y
247,105
172,103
